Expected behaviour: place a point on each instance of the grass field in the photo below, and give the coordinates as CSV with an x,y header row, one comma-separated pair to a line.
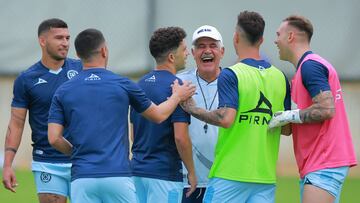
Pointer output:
x,y
287,190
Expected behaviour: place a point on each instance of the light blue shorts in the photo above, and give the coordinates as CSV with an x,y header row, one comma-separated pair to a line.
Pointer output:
x,y
156,190
330,180
53,178
103,190
221,190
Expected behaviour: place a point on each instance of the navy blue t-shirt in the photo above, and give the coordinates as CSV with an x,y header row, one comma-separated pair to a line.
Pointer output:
x,y
94,108
33,90
154,150
314,75
228,85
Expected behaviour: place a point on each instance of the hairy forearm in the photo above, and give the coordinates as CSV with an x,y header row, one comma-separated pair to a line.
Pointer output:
x,y
322,108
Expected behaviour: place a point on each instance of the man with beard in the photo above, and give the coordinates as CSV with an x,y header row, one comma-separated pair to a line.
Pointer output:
x,y
33,91
158,149
244,168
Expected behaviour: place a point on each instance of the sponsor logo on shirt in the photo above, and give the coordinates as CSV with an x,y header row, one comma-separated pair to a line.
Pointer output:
x,y
263,106
71,73
151,79
40,81
93,77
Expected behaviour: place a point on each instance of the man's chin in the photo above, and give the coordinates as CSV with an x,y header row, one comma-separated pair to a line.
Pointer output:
x,y
59,57
180,68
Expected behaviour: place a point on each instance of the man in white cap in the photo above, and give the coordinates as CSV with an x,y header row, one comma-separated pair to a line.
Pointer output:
x,y
244,168
207,51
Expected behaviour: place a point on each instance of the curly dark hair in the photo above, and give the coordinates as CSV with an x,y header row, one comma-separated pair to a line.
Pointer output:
x,y
252,24
165,40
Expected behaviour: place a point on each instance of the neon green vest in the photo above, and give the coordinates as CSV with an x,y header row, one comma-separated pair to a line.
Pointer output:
x,y
247,151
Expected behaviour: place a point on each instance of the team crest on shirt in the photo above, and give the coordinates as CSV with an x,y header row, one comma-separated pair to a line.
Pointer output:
x,y
45,177
71,73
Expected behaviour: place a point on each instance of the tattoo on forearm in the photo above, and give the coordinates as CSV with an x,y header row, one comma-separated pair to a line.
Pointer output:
x,y
323,108
213,117
11,149
8,132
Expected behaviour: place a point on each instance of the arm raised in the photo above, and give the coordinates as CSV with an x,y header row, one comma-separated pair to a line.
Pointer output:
x,y
159,113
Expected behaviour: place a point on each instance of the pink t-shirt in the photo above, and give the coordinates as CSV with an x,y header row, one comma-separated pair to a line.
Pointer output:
x,y
321,145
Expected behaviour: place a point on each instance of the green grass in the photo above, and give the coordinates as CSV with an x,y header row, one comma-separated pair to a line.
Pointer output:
x,y
287,190
25,192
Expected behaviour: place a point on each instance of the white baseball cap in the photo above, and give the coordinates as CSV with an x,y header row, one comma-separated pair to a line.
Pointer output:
x,y
207,31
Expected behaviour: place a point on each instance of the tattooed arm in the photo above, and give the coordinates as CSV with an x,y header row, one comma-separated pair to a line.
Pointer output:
x,y
12,142
223,117
323,108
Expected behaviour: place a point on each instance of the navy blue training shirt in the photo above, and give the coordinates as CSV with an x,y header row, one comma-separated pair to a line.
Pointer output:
x,y
154,150
94,108
33,90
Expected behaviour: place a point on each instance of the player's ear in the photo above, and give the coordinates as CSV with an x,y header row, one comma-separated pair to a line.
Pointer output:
x,y
104,51
171,57
261,40
291,36
42,40
236,38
